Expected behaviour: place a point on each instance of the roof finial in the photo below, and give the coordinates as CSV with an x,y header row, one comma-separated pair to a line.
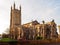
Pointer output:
x,y
53,20
14,5
20,7
43,21
11,7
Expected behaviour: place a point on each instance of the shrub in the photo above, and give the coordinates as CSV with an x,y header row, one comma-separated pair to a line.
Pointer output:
x,y
39,38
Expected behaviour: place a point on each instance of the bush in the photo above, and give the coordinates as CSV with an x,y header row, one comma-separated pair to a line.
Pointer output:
x,y
39,38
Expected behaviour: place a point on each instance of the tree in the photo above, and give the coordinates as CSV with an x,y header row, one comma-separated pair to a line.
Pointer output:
x,y
4,35
7,31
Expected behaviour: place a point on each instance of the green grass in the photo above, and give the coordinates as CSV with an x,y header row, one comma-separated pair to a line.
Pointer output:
x,y
7,40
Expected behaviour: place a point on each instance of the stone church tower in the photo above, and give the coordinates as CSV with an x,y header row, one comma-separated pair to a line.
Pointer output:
x,y
15,22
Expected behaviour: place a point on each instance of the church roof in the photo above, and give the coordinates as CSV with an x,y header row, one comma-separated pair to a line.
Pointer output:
x,y
33,23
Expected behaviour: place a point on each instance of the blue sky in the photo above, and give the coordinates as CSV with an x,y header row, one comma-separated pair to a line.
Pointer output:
x,y
31,10
42,10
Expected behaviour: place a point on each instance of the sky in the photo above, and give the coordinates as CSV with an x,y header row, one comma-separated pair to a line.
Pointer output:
x,y
39,10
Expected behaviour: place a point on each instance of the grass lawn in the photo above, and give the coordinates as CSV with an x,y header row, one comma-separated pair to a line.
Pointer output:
x,y
7,40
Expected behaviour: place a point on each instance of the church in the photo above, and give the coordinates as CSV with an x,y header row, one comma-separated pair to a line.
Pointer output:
x,y
30,30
